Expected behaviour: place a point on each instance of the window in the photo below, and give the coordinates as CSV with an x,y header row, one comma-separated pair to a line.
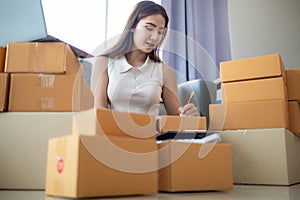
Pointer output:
x,y
86,24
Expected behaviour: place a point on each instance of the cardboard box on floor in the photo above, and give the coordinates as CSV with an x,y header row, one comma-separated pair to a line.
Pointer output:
x,y
4,81
249,115
254,90
294,115
252,68
93,166
187,171
264,156
107,161
178,123
293,82
48,92
2,58
40,57
23,146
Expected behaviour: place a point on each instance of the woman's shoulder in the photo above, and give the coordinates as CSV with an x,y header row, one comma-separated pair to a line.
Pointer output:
x,y
102,59
167,68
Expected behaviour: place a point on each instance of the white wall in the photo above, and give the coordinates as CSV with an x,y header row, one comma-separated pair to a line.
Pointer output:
x,y
260,27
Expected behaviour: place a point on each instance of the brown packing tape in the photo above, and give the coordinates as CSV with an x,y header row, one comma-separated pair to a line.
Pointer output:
x,y
47,81
36,59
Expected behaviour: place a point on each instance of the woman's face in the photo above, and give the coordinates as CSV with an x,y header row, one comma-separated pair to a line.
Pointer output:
x,y
148,33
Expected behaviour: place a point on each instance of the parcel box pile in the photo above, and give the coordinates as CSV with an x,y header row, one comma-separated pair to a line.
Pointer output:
x,y
293,91
44,77
3,81
109,153
254,95
256,116
112,153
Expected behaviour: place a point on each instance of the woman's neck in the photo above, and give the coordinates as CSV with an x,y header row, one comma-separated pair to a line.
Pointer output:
x,y
136,58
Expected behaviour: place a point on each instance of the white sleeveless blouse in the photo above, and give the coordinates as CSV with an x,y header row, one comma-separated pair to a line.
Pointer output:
x,y
135,89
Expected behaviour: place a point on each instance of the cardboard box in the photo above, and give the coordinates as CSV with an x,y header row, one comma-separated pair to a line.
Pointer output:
x,y
252,68
293,82
264,156
2,58
178,123
188,172
249,115
102,121
40,57
95,166
23,146
254,90
294,114
48,92
4,81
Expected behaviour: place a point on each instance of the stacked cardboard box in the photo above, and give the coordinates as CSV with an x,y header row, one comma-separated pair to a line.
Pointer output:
x,y
114,154
254,95
293,82
44,78
3,81
40,87
255,116
2,58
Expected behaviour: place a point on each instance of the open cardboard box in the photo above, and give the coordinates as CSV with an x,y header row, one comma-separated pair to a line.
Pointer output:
x,y
111,122
178,123
110,153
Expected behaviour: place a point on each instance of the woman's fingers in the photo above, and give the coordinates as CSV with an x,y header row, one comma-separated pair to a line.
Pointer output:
x,y
188,110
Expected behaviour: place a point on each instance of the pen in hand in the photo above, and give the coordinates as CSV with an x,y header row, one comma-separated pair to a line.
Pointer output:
x,y
188,101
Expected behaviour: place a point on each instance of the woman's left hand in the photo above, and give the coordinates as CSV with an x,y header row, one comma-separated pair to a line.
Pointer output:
x,y
188,110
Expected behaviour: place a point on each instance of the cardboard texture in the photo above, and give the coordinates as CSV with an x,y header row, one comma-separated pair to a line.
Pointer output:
x,y
103,121
189,172
249,115
252,68
23,146
2,58
4,81
294,114
48,92
254,90
293,82
87,167
178,123
40,57
264,156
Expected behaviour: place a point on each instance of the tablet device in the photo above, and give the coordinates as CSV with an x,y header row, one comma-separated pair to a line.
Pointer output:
x,y
183,134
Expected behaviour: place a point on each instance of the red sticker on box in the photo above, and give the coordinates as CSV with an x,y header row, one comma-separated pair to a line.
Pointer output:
x,y
60,165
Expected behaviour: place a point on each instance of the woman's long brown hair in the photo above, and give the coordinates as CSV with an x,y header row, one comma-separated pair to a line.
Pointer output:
x,y
125,42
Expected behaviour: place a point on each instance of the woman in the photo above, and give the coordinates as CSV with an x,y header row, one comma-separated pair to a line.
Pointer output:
x,y
130,76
